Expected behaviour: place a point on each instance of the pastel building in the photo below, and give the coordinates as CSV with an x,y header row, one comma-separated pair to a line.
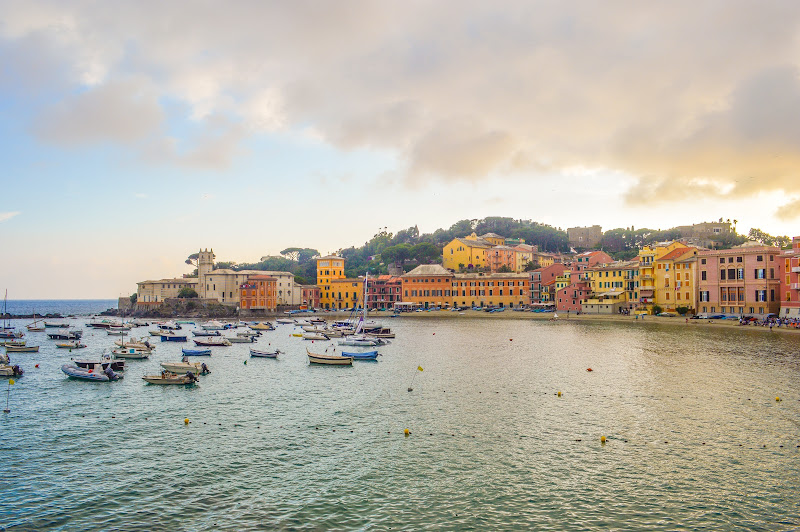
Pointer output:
x,y
614,287
506,290
466,253
790,280
310,296
153,293
675,279
329,268
427,285
647,271
744,280
501,257
543,282
259,293
384,291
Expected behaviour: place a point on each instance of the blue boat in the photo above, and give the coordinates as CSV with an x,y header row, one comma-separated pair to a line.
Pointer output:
x,y
173,338
196,352
366,355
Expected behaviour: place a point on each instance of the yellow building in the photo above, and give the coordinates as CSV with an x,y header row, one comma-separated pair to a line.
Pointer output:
x,y
544,259
615,287
345,293
506,290
647,271
469,252
675,279
329,269
524,256
492,238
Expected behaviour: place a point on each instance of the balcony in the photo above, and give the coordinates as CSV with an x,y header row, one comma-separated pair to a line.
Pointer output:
x,y
795,286
795,269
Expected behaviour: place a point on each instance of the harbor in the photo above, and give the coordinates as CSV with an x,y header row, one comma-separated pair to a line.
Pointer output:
x,y
693,433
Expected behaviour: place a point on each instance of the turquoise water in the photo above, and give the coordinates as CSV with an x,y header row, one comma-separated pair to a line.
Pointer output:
x,y
279,444
65,307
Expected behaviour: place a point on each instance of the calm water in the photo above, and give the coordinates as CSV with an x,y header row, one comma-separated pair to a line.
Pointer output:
x,y
278,444
65,307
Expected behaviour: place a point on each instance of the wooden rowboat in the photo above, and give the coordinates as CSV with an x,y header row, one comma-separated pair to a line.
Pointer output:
x,y
167,377
314,358
22,349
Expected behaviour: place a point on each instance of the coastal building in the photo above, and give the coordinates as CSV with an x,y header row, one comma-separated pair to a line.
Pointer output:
x,y
310,296
153,293
647,271
493,238
614,288
501,257
545,259
345,293
525,255
542,282
384,291
589,259
790,280
743,280
585,237
466,253
427,285
329,268
259,293
675,279
571,290
505,290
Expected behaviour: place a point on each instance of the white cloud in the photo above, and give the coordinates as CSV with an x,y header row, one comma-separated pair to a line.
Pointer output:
x,y
8,215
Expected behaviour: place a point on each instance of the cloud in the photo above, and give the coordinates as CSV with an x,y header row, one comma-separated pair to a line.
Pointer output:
x,y
691,102
7,215
121,111
790,211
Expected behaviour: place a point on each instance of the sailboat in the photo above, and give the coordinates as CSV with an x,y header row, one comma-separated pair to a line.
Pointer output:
x,y
32,327
8,331
359,338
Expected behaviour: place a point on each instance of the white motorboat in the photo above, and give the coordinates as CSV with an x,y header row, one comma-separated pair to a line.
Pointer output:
x,y
131,352
241,339
213,326
330,360
315,336
198,368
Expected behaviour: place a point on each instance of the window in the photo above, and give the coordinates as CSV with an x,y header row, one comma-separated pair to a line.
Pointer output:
x,y
722,275
703,275
760,258
721,261
738,259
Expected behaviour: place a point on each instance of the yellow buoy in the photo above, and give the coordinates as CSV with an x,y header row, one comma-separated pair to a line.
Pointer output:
x,y
406,432
559,394
777,398
186,421
602,439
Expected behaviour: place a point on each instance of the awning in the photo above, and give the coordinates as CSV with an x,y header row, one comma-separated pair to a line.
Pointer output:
x,y
613,293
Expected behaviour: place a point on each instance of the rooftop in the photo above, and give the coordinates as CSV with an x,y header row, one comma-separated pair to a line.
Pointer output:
x,y
428,269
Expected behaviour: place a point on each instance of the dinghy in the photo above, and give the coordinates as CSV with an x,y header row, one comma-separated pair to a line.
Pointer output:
x,y
167,377
330,360
196,352
95,373
264,354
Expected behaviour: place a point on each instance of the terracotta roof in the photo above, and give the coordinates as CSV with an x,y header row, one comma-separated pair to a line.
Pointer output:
x,y
428,269
675,253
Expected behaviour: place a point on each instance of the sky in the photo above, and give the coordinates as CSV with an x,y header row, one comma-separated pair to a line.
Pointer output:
x,y
135,133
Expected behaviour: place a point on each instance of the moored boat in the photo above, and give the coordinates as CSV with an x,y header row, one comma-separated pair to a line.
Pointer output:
x,y
330,360
167,377
213,342
213,326
95,373
206,333
75,344
359,342
315,336
116,365
366,355
54,325
22,349
7,370
241,339
180,368
173,337
131,352
13,343
69,335
264,354
196,352
266,326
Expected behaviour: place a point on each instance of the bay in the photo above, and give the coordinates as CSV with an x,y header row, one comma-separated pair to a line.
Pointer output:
x,y
694,435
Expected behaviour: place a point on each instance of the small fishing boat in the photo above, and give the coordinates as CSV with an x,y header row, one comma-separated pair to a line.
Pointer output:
x,y
359,342
241,339
167,377
13,343
22,349
196,352
366,355
213,326
180,368
102,324
140,343
315,336
116,332
248,333
206,333
131,352
95,373
68,335
264,354
213,342
185,322
138,322
10,333
116,365
173,337
75,344
7,370
169,326
266,326
298,335
53,325
330,360
155,333
33,327
284,321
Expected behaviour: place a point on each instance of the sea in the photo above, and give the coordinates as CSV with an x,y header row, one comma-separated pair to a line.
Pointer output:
x,y
676,427
65,307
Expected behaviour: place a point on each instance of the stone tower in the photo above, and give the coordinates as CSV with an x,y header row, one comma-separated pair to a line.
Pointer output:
x,y
205,264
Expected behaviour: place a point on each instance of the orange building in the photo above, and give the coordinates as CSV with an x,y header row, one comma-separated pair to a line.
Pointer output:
x,y
258,293
511,290
427,285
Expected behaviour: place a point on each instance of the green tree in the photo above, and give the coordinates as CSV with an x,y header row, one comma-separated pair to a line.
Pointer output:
x,y
531,265
682,310
291,253
425,252
224,265
768,240
504,269
307,254
657,309
187,293
134,298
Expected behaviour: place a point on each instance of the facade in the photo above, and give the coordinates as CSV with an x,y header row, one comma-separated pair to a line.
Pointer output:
x,y
589,259
545,259
468,252
500,256
427,285
675,279
585,237
647,271
542,282
345,294
506,290
790,280
494,239
525,254
259,293
744,280
569,295
614,286
329,268
384,291
155,292
310,296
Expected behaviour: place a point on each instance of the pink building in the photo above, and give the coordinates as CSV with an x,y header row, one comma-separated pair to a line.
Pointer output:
x,y
744,280
383,292
500,256
790,280
589,259
570,297
545,277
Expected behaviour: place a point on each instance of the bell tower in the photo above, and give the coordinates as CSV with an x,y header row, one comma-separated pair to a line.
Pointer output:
x,y
205,265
